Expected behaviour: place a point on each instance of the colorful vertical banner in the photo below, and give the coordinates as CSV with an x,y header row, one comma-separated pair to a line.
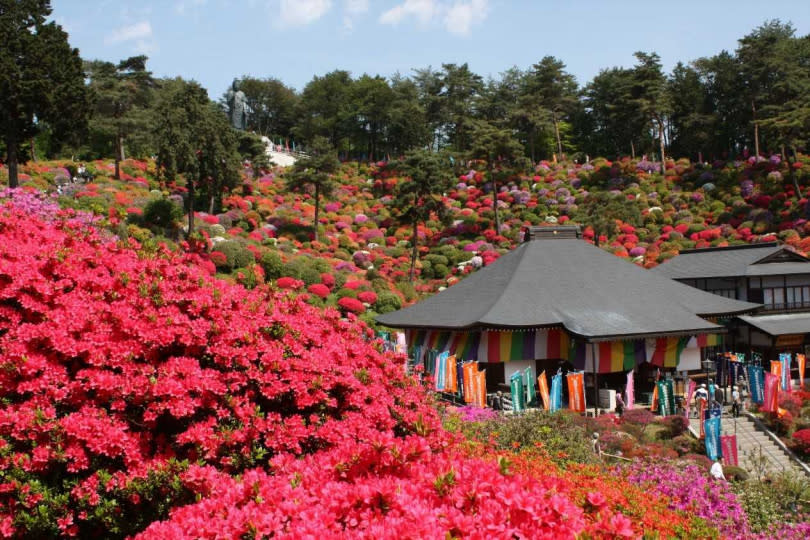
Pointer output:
x,y
711,427
516,388
450,377
771,403
556,393
690,390
785,360
668,351
542,384
467,372
531,393
576,391
666,397
776,368
630,390
712,389
756,383
801,361
654,400
481,388
728,445
441,370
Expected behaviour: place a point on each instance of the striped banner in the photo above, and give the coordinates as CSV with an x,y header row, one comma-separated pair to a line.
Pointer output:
x,y
709,340
494,346
666,397
611,356
441,368
542,384
667,352
576,391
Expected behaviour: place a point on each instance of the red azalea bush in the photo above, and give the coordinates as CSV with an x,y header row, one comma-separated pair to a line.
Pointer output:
x,y
319,289
117,371
801,441
351,305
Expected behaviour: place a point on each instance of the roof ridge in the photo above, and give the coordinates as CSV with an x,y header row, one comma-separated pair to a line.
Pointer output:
x,y
729,248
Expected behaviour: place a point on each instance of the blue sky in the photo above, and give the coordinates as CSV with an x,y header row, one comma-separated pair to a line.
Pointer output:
x,y
214,41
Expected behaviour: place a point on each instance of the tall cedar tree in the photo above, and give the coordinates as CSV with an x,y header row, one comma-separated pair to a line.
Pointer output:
x,y
194,138
419,195
122,95
317,170
41,79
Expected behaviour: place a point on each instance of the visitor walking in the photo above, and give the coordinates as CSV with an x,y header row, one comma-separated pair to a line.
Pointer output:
x,y
735,401
701,399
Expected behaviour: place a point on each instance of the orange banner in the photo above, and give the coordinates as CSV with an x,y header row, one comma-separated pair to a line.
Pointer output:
x,y
542,383
654,404
481,388
776,368
450,376
468,376
576,392
701,408
802,361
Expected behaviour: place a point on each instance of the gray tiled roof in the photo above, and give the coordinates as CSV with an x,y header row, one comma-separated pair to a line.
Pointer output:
x,y
711,263
779,325
574,284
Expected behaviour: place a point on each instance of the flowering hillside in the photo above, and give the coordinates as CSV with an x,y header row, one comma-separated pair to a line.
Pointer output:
x,y
264,232
140,395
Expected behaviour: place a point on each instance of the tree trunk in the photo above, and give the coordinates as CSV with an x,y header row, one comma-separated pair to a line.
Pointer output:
x,y
632,150
11,150
190,208
495,199
34,150
794,177
118,152
557,134
211,201
531,146
413,249
756,129
661,142
317,208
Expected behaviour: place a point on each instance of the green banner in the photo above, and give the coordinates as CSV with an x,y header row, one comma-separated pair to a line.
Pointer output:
x,y
516,387
531,393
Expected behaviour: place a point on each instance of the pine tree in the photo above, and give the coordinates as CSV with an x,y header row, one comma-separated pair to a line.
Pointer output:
x,y
41,79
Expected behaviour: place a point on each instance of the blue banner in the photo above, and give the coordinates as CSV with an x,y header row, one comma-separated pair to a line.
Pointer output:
x,y
441,370
556,393
712,388
516,387
784,358
711,428
756,382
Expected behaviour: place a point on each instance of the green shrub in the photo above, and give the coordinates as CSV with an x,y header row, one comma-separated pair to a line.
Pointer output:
x,y
271,263
407,290
236,254
387,302
247,277
162,213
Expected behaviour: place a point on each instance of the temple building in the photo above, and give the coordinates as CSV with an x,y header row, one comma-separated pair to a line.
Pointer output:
x,y
769,274
557,302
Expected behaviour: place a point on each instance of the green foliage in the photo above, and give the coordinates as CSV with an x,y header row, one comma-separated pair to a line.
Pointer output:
x,y
236,253
162,213
387,302
41,80
271,263
560,434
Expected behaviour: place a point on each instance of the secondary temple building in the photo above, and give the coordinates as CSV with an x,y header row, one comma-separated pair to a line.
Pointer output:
x,y
770,274
557,302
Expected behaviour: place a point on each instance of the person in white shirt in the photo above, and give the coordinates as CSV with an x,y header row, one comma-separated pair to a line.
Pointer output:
x,y
700,394
717,470
735,401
